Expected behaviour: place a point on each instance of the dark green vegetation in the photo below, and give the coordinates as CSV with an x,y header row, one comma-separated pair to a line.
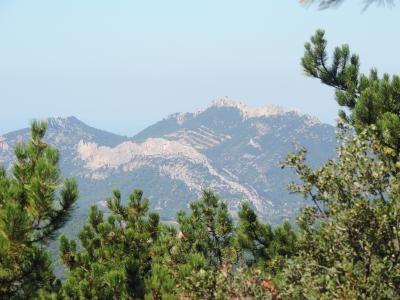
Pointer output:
x,y
346,244
32,209
130,254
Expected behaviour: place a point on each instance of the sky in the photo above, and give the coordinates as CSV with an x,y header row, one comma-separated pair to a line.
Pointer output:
x,y
122,65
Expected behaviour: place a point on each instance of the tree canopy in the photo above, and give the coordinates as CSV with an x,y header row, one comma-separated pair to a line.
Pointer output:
x,y
131,255
34,204
348,238
370,102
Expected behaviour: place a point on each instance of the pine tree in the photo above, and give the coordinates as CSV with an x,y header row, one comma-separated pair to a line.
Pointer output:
x,y
200,259
263,245
191,256
348,240
370,102
116,254
34,204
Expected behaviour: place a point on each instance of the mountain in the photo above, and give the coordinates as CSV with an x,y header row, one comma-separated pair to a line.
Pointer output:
x,y
229,147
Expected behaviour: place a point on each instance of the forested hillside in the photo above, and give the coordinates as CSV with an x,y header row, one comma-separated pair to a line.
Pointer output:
x,y
230,147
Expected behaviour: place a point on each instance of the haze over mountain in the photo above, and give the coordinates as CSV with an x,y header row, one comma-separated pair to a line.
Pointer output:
x,y
229,147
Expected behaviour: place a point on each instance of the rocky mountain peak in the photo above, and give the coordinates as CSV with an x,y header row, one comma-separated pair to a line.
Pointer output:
x,y
62,122
247,111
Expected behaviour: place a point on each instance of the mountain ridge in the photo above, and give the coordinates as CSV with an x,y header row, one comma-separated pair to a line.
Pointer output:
x,y
229,147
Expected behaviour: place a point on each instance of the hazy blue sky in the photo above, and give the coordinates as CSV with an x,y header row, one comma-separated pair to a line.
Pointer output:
x,y
121,65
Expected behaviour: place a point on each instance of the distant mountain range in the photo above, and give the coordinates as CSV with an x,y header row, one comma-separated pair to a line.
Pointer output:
x,y
228,147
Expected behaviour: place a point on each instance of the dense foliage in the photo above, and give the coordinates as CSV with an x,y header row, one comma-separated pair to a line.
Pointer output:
x,y
32,209
131,255
349,244
116,251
